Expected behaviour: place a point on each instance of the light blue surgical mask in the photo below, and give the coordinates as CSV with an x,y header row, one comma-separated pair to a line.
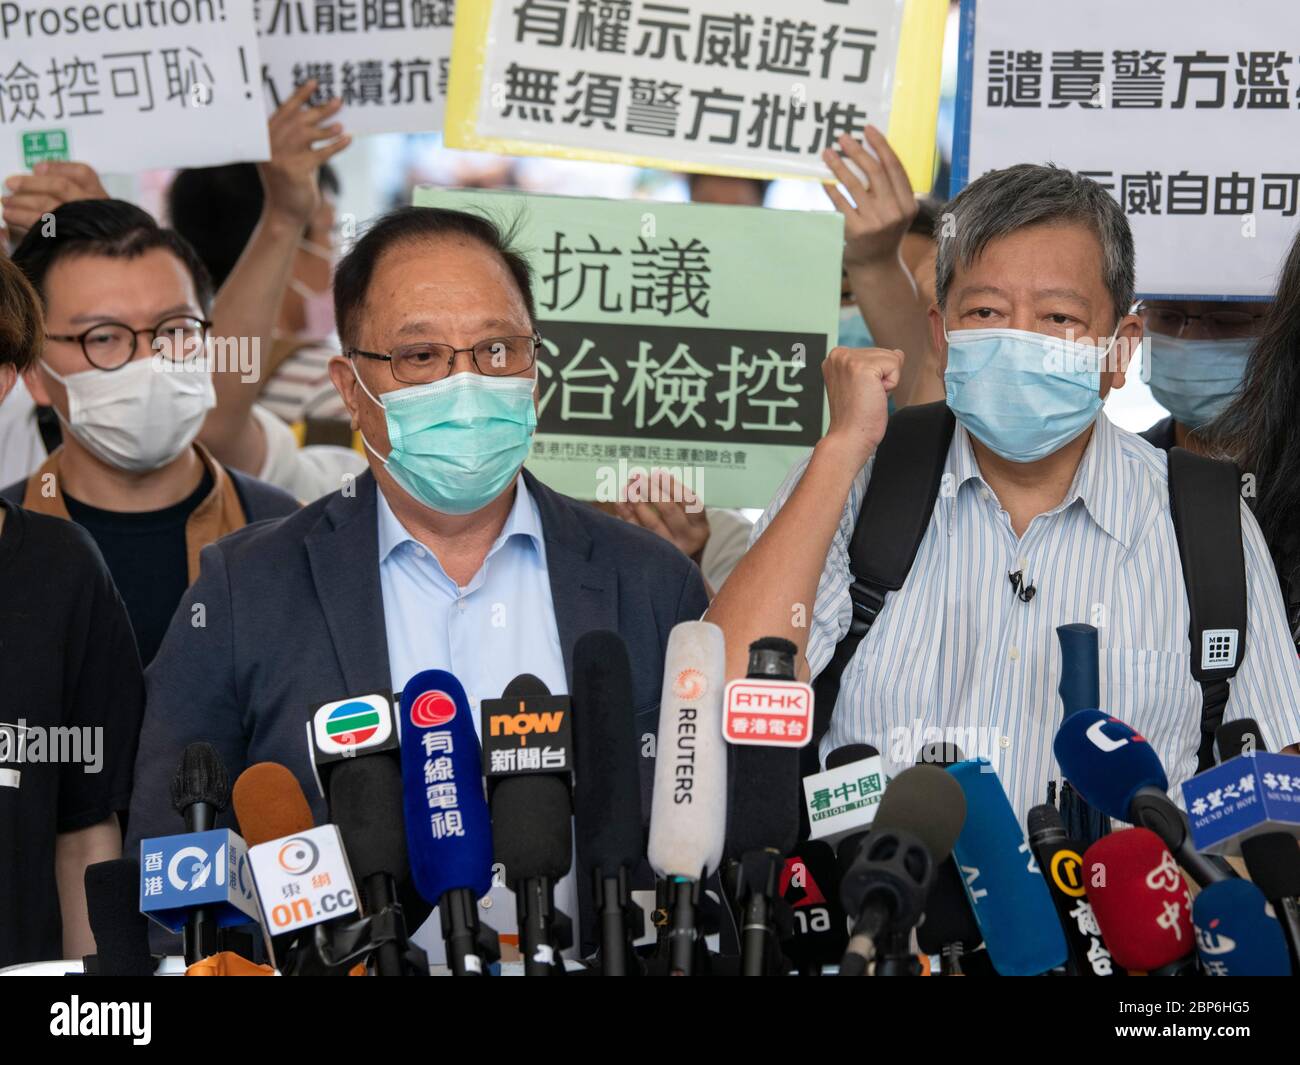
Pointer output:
x,y
853,329
1023,395
457,443
1195,379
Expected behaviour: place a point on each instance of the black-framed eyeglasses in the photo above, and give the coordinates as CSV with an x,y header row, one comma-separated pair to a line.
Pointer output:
x,y
1220,325
111,345
423,363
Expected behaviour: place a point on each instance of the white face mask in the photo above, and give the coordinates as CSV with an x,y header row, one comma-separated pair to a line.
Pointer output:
x,y
317,306
140,417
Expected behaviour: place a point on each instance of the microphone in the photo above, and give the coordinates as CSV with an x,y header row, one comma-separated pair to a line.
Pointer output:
x,y
948,927
1116,770
885,887
1007,893
1060,859
197,870
1023,590
1235,933
365,801
304,885
607,795
810,888
1239,737
767,718
1141,902
448,829
121,931
842,801
688,812
1273,861
199,791
532,812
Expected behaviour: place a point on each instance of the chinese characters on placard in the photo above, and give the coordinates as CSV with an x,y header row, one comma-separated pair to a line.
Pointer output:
x,y
819,68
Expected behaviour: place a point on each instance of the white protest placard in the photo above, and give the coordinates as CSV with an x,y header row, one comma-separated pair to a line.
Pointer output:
x,y
387,59
128,85
756,87
1187,111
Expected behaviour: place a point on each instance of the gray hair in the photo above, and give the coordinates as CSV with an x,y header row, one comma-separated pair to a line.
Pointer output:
x,y
1003,201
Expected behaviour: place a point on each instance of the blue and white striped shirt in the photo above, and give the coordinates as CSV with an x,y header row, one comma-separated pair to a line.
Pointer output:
x,y
956,655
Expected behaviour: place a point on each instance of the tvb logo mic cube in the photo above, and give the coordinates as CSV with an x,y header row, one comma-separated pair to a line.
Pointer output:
x,y
362,724
197,869
533,734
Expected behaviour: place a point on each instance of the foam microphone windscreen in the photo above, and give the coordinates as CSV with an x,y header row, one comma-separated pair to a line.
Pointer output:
x,y
763,806
269,804
607,791
927,802
1273,860
1239,737
1139,898
532,815
365,803
1008,895
1236,935
688,813
200,777
948,918
853,752
1107,761
121,931
448,830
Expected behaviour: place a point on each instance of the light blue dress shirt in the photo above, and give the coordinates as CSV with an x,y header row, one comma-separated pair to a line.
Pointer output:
x,y
956,655
499,625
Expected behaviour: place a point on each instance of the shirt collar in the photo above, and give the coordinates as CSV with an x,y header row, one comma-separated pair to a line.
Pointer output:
x,y
1098,482
524,520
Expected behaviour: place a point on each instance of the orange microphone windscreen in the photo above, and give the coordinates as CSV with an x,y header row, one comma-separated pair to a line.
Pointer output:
x,y
269,803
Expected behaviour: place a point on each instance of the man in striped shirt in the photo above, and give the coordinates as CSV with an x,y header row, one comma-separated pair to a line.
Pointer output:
x,y
1033,326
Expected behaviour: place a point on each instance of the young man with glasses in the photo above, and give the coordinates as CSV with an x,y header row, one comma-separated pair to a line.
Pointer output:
x,y
123,366
445,554
1198,353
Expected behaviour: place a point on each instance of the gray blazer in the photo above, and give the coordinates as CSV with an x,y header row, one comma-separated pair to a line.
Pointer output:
x,y
287,615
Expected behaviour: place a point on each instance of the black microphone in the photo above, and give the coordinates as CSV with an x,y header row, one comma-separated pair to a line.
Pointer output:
x,y
1060,860
532,830
1238,737
607,792
847,847
884,890
810,887
121,931
948,927
365,803
763,820
1272,858
200,790
1023,589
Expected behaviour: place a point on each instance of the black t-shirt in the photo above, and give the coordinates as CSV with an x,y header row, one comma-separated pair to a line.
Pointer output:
x,y
67,663
146,555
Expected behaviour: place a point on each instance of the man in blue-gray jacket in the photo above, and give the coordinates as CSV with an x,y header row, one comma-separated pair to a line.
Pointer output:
x,y
444,555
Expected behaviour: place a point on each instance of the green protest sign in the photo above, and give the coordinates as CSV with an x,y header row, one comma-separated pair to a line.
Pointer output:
x,y
685,337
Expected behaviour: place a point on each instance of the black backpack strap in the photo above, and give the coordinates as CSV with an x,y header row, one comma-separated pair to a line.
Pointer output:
x,y
894,516
47,424
1205,500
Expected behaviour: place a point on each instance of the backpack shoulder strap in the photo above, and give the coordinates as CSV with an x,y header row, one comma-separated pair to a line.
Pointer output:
x,y
1205,501
894,516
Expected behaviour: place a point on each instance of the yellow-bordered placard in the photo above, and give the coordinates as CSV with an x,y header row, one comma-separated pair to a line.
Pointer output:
x,y
913,115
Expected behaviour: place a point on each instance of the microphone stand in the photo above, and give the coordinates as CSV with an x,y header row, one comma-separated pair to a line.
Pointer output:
x,y
543,930
471,946
757,874
613,901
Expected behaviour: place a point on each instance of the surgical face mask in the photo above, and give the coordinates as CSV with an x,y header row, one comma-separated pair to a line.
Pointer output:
x,y
1023,395
457,443
853,329
317,306
142,416
1195,379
